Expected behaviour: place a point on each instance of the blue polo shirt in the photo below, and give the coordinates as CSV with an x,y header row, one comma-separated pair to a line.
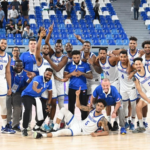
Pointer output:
x,y
41,84
18,80
76,82
111,98
29,62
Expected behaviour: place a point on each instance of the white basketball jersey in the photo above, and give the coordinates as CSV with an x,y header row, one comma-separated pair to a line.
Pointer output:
x,y
145,61
125,83
45,64
3,63
96,76
144,80
57,60
110,72
90,124
131,57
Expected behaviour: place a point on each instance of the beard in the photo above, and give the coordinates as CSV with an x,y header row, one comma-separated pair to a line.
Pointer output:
x,y
58,52
97,112
46,79
69,52
2,49
45,54
16,71
77,62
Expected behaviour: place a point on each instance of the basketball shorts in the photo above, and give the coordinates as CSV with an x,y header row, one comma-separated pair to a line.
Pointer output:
x,y
54,91
76,127
116,84
67,87
3,86
129,95
3,108
60,88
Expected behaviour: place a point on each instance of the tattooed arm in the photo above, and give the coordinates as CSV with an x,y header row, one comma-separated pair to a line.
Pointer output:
x,y
84,108
103,123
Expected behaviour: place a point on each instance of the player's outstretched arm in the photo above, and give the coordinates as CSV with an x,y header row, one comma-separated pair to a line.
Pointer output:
x,y
38,48
78,37
84,108
48,38
58,67
103,123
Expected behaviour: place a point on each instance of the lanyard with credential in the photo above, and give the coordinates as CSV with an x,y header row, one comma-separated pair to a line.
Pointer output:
x,y
33,58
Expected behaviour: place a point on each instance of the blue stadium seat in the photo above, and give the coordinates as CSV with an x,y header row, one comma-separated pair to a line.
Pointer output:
x,y
104,42
116,36
65,41
96,42
25,41
10,36
51,42
126,42
71,36
73,41
109,37
10,42
18,36
18,42
111,42
119,42
2,36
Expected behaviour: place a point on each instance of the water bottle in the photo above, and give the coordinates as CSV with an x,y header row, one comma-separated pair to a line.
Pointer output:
x,y
102,75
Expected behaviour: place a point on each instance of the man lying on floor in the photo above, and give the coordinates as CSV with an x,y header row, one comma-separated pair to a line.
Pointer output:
x,y
88,126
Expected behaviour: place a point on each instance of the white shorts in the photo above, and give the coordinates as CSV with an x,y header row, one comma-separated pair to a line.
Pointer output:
x,y
60,88
3,107
129,95
3,87
91,86
116,84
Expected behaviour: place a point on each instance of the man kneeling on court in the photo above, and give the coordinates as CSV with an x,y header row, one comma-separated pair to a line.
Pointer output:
x,y
88,126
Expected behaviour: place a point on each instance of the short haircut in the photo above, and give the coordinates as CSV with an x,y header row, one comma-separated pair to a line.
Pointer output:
x,y
105,80
59,41
49,69
117,49
15,47
145,42
123,52
103,48
32,39
132,38
101,101
2,39
138,58
45,45
18,61
87,42
75,52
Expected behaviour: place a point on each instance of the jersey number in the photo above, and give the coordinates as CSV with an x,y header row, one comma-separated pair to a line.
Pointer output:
x,y
1,67
122,76
87,123
107,73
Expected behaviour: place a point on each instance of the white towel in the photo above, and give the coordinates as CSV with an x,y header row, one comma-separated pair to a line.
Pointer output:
x,y
39,109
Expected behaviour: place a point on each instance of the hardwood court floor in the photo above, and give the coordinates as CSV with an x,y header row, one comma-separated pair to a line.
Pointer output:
x,y
114,141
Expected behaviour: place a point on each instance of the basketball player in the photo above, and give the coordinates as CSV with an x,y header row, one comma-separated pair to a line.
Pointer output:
x,y
127,88
5,79
133,52
58,62
112,97
90,58
109,66
31,96
42,65
142,80
88,126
